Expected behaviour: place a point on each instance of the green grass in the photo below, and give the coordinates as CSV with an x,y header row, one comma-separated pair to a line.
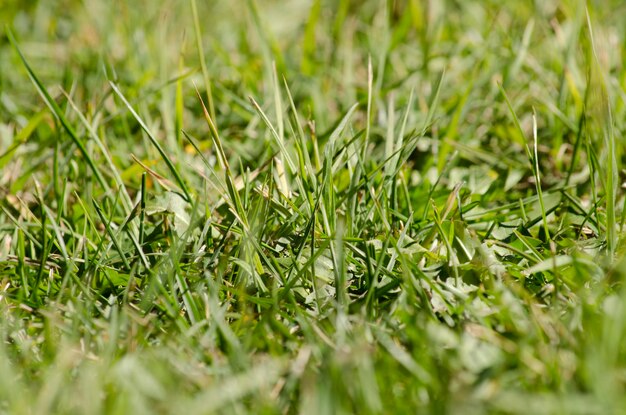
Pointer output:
x,y
312,207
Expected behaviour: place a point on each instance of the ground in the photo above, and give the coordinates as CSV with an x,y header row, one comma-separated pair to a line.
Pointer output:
x,y
409,206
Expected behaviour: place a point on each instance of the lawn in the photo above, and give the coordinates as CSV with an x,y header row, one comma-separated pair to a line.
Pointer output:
x,y
312,206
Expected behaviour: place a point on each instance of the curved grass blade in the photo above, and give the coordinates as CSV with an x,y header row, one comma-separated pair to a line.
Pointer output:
x,y
54,107
154,142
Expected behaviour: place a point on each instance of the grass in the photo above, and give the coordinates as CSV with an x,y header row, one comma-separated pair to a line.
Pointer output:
x,y
312,207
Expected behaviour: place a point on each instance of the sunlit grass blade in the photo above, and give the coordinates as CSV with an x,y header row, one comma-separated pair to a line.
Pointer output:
x,y
205,73
155,143
605,117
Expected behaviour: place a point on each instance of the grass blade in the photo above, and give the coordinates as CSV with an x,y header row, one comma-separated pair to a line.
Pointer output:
x,y
155,143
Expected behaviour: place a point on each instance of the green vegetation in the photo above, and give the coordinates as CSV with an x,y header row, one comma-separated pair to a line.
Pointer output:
x,y
312,206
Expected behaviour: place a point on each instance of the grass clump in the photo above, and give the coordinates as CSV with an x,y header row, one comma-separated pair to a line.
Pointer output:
x,y
319,207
